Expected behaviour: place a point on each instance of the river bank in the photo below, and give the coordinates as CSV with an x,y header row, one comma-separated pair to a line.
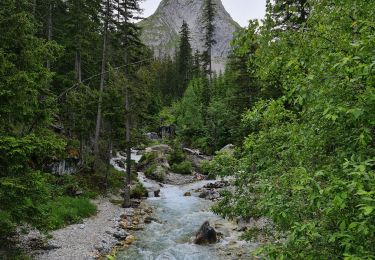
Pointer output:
x,y
91,238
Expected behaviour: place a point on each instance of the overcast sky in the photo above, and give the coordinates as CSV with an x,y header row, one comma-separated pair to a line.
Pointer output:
x,y
240,10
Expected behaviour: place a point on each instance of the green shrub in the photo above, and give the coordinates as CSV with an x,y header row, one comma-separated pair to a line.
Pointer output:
x,y
138,191
184,167
176,156
155,172
223,164
150,170
148,158
20,196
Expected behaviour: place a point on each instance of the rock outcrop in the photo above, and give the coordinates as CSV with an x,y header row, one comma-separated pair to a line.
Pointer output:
x,y
161,30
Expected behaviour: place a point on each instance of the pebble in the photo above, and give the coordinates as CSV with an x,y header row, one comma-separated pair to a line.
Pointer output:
x,y
130,240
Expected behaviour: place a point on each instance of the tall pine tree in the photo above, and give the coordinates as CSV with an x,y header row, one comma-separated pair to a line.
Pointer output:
x,y
129,35
208,20
184,59
289,14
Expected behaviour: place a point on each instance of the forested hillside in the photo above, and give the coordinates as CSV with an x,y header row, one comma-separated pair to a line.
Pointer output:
x,y
65,69
296,99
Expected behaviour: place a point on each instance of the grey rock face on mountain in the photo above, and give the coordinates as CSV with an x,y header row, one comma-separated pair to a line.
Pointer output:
x,y
160,31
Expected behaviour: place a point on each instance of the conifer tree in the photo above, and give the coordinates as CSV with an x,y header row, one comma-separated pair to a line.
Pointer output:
x,y
130,42
184,58
208,20
107,14
25,100
289,14
196,64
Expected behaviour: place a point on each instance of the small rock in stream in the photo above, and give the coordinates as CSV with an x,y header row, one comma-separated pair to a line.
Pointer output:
x,y
148,220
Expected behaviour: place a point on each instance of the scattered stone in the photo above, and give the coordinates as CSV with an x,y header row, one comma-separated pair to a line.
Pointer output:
x,y
129,240
82,226
209,194
206,235
99,247
199,177
187,194
50,246
32,239
216,185
120,234
124,224
157,193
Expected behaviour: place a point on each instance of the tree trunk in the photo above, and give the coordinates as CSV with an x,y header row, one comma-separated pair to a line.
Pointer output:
x,y
128,152
210,63
81,149
127,120
102,83
109,154
78,67
49,30
34,8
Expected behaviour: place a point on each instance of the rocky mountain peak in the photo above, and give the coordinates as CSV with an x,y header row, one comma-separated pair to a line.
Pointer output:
x,y
160,30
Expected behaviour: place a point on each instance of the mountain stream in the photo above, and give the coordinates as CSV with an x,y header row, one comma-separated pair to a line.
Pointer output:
x,y
178,219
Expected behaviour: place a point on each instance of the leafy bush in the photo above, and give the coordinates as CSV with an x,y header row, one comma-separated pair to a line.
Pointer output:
x,y
155,172
138,191
148,158
308,162
176,156
223,164
184,167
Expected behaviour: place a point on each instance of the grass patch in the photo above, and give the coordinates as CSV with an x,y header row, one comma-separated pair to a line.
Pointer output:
x,y
63,211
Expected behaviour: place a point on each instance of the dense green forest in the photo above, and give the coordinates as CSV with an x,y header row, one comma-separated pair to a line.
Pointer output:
x,y
297,99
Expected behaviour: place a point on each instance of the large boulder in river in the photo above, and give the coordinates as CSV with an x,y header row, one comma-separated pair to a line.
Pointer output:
x,y
206,235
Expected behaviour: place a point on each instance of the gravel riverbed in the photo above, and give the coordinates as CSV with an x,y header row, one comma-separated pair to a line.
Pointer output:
x,y
94,236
